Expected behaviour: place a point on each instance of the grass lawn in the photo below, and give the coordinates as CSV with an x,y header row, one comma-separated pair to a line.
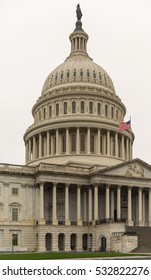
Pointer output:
x,y
61,255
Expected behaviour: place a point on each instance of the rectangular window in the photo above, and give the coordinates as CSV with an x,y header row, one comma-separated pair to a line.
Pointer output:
x,y
14,191
14,214
14,239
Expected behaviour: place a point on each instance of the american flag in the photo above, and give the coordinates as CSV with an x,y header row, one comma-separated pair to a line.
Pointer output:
x,y
125,125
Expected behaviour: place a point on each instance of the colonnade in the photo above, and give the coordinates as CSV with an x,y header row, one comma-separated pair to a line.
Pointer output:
x,y
78,140
93,205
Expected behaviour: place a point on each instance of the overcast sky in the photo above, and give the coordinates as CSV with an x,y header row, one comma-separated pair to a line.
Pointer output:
x,y
34,40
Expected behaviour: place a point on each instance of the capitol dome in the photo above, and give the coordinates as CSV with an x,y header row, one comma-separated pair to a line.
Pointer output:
x,y
77,116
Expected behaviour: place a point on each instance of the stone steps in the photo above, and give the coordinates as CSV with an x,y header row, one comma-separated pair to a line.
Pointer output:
x,y
144,238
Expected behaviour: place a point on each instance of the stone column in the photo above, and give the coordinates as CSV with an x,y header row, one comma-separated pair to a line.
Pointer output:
x,y
140,212
48,150
52,145
90,204
34,147
78,141
40,145
107,200
29,151
112,204
6,207
26,152
54,204
67,140
57,141
123,148
127,149
130,222
67,221
96,202
149,208
42,220
79,222
118,202
88,140
108,142
85,205
99,134
116,145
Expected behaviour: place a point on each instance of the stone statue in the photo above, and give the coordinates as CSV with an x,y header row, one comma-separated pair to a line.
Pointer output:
x,y
79,13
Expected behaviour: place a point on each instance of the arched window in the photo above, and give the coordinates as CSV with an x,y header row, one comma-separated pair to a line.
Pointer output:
x,y
100,77
64,143
74,73
91,143
57,109
68,74
99,109
50,111
73,143
94,75
73,241
65,107
82,142
106,110
88,74
73,107
81,73
82,106
56,78
90,107
61,77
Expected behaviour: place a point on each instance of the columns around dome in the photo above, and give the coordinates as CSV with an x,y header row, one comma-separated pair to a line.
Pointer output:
x,y
78,141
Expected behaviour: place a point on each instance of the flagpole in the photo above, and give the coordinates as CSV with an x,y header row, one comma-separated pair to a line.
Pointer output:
x,y
130,140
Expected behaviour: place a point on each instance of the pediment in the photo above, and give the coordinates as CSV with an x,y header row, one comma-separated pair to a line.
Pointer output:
x,y
135,168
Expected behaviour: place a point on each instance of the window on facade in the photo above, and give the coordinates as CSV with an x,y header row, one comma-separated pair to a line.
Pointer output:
x,y
91,108
112,112
88,73
92,143
14,191
68,74
106,110
14,214
82,142
64,143
57,109
61,75
65,107
100,77
73,143
99,109
50,111
81,73
14,239
73,107
82,106
44,113
117,114
39,115
74,73
56,78
94,75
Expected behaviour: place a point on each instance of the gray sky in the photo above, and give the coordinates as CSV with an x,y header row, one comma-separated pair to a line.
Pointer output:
x,y
34,40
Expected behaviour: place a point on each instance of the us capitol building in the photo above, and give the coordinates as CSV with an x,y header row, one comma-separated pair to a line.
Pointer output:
x,y
79,189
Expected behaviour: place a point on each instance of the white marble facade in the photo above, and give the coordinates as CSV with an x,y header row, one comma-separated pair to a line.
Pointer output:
x,y
79,186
